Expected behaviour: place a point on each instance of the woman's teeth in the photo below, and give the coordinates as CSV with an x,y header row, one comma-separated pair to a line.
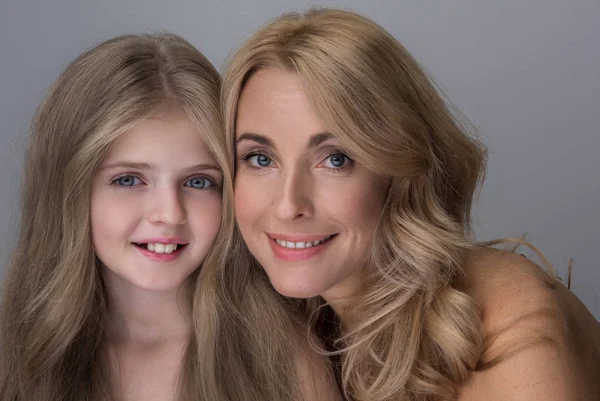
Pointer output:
x,y
162,248
301,245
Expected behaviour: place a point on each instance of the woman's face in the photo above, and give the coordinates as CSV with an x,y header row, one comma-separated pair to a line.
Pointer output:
x,y
305,209
155,205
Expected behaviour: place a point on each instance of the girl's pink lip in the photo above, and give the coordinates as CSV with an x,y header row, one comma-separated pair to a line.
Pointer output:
x,y
298,238
162,257
163,240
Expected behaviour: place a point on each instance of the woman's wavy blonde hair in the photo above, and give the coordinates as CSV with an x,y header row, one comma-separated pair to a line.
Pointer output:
x,y
417,335
54,306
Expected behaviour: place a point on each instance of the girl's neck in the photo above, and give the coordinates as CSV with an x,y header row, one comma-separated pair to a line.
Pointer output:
x,y
138,317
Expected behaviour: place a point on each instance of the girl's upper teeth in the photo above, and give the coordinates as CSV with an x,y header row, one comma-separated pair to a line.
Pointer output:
x,y
162,248
300,245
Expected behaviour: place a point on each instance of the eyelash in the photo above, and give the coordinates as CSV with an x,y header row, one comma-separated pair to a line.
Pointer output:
x,y
335,152
330,152
247,156
115,181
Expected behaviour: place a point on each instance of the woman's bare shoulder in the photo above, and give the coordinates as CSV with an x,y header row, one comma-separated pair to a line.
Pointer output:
x,y
545,342
506,284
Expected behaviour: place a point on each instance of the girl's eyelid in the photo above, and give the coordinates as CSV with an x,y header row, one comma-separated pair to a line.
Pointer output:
x,y
117,177
201,175
214,181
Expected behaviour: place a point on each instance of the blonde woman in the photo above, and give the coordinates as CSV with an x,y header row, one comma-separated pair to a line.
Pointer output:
x,y
353,187
113,291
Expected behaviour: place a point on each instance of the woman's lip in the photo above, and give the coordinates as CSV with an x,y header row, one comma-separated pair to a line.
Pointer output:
x,y
297,254
299,238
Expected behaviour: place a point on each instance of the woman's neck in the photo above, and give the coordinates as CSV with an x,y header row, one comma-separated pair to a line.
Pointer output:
x,y
342,296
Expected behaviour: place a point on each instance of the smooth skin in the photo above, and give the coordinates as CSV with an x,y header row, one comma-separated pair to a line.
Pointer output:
x,y
160,184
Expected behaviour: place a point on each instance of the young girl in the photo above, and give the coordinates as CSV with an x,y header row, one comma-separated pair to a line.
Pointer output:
x,y
113,291
354,185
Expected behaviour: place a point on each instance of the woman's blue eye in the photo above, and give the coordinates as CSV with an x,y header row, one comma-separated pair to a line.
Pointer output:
x,y
337,160
127,181
260,160
199,183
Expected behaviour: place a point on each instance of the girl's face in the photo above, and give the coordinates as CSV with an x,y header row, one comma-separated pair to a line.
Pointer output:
x,y
305,209
156,204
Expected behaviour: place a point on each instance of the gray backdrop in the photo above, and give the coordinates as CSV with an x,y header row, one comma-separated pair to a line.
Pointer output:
x,y
526,72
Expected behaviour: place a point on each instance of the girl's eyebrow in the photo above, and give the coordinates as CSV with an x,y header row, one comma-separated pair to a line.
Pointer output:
x,y
314,141
151,167
202,167
129,165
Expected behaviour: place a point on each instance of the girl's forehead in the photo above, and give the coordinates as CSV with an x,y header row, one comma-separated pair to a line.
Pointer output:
x,y
164,139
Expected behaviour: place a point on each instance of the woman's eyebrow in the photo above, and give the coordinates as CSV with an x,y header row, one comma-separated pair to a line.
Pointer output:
x,y
261,139
314,141
318,139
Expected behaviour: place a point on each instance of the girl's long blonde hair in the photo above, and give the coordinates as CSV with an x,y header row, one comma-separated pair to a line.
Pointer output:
x,y
54,306
418,335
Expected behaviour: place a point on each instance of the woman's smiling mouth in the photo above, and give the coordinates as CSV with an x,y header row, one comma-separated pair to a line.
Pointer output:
x,y
297,247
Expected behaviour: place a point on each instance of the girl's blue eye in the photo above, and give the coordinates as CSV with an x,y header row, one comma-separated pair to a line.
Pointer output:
x,y
337,160
199,183
127,181
259,160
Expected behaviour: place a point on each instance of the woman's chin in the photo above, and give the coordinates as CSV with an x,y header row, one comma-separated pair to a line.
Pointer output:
x,y
295,289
